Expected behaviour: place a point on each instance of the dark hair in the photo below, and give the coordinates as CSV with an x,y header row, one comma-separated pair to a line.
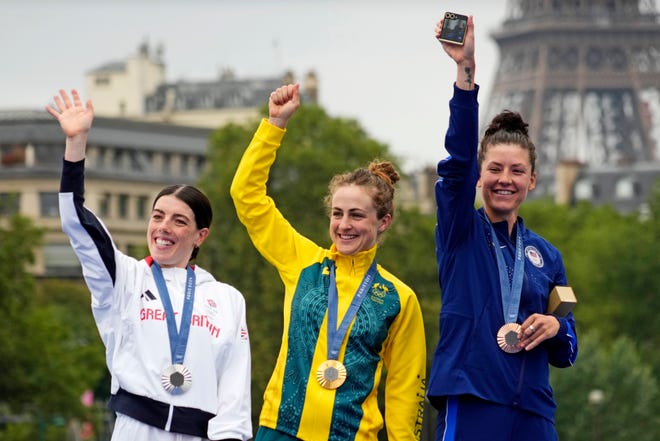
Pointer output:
x,y
379,177
196,200
508,127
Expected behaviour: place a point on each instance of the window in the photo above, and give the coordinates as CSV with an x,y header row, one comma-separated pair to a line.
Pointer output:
x,y
118,159
102,81
167,163
9,204
201,160
48,154
104,205
102,158
60,260
48,204
123,206
142,207
185,165
584,190
12,155
134,161
626,188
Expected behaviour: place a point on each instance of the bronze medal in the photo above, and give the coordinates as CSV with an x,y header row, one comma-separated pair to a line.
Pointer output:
x,y
331,374
176,379
508,337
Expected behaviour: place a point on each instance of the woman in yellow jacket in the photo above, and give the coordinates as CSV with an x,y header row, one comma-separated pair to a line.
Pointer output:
x,y
345,317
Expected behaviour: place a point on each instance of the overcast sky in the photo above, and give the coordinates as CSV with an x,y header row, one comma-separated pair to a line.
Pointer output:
x,y
377,61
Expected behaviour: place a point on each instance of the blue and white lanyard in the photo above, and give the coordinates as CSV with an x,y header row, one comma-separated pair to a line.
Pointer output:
x,y
510,291
336,336
178,339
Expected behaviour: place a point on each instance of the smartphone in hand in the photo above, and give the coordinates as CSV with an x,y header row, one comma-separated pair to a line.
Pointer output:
x,y
454,27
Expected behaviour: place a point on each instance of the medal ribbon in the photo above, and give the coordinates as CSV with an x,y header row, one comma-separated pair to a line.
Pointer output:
x,y
335,335
510,291
178,339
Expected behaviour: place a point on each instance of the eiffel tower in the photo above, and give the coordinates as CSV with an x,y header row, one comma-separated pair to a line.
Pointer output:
x,y
585,74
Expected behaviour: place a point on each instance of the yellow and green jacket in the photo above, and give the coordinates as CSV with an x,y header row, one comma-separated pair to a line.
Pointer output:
x,y
387,333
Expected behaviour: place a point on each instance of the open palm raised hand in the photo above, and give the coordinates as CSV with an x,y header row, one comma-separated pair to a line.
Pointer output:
x,y
74,118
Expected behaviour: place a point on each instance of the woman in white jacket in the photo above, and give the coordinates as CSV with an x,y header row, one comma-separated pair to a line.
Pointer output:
x,y
176,339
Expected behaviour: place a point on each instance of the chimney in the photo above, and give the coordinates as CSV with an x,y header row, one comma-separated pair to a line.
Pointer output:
x,y
565,175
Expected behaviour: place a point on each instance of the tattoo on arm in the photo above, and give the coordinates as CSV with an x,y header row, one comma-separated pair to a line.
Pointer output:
x,y
468,75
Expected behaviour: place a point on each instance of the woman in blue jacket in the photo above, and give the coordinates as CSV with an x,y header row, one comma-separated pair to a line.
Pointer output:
x,y
490,373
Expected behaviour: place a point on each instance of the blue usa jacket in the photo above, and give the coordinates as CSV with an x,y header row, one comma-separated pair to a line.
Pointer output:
x,y
467,359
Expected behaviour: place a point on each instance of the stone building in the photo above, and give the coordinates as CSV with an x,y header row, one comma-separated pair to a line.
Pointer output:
x,y
147,134
136,88
127,163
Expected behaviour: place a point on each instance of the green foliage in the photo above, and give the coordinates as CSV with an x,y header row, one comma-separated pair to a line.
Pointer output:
x,y
627,389
18,238
18,431
612,263
408,251
230,256
51,352
17,241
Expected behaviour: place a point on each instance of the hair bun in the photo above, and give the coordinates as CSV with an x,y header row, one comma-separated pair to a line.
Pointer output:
x,y
384,170
509,121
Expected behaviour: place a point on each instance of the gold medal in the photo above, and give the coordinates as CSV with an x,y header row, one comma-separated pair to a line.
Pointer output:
x,y
176,379
508,337
331,374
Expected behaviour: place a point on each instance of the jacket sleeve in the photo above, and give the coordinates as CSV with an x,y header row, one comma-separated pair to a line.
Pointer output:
x,y
88,236
277,241
233,417
405,359
563,347
458,173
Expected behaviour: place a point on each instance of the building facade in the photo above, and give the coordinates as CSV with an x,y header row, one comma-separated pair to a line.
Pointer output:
x,y
136,88
147,134
127,163
119,88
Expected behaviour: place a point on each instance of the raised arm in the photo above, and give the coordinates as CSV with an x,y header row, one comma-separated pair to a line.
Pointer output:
x,y
463,55
75,121
89,238
270,232
456,188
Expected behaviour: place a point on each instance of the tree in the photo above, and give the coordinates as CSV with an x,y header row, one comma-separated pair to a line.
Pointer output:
x,y
612,263
17,241
51,352
408,250
608,394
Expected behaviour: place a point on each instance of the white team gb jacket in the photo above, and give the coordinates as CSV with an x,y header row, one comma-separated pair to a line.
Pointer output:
x,y
131,321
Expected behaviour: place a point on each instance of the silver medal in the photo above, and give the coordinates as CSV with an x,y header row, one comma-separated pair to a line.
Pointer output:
x,y
176,379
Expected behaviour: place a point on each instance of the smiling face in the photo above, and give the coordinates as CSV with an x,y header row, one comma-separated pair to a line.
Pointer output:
x,y
172,232
354,223
506,177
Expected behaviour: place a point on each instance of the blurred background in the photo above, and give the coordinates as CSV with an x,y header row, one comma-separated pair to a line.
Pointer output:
x,y
178,89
